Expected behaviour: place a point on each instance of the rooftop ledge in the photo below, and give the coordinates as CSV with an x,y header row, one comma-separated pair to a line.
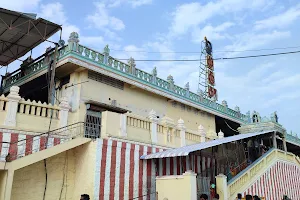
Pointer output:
x,y
127,70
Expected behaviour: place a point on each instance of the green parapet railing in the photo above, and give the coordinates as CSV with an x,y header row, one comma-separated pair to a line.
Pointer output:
x,y
16,77
293,139
103,60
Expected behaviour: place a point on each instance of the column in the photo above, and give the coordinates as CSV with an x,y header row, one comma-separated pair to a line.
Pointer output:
x,y
181,128
202,133
153,118
274,140
12,106
221,184
191,180
8,185
284,143
63,112
123,125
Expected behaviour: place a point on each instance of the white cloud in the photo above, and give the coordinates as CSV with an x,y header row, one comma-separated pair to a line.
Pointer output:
x,y
281,20
101,19
137,3
214,33
190,15
55,12
252,40
280,98
20,5
132,3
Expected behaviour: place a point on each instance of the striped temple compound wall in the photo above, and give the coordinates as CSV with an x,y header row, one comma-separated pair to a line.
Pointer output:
x,y
19,145
280,179
120,174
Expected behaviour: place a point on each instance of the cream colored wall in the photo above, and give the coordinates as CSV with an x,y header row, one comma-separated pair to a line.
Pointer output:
x,y
142,102
29,182
192,119
74,93
2,116
85,169
110,124
35,123
177,187
76,165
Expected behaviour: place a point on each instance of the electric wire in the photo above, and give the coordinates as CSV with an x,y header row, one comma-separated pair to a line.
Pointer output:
x,y
221,58
197,52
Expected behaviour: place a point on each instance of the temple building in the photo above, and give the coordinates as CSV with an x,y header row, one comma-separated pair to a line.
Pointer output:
x,y
113,131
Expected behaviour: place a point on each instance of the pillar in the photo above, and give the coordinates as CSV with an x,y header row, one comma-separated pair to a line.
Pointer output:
x,y
190,176
221,184
63,112
8,185
284,144
12,106
181,128
202,133
153,118
123,125
274,140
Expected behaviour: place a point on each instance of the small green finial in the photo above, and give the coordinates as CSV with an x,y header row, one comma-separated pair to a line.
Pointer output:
x,y
154,71
106,50
170,78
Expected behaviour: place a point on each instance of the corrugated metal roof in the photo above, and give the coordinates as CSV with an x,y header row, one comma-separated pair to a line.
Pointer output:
x,y
186,150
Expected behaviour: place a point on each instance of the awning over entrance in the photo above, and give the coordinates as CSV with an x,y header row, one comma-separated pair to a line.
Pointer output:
x,y
186,150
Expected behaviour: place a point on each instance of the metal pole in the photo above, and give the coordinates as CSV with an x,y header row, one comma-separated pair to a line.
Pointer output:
x,y
52,86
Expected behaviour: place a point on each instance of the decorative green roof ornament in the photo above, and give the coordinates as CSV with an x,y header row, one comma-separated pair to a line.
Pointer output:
x,y
74,37
187,86
154,71
106,50
170,79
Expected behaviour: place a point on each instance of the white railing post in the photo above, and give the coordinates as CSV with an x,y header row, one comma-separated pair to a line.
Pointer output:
x,y
63,112
222,189
153,118
123,125
202,133
221,134
12,106
181,128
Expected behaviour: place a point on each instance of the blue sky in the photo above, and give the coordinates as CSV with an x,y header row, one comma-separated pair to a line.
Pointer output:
x,y
137,27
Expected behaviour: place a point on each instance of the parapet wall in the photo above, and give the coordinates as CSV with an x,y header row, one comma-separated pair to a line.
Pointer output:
x,y
150,130
27,115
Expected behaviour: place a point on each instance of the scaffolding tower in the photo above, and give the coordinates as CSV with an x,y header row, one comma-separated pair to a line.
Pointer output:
x,y
206,83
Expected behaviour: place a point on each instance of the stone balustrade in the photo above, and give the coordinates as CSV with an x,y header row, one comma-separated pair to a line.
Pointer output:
x,y
162,132
27,115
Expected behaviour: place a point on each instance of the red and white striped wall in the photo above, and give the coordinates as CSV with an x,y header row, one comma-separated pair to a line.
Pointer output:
x,y
20,145
281,179
120,174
